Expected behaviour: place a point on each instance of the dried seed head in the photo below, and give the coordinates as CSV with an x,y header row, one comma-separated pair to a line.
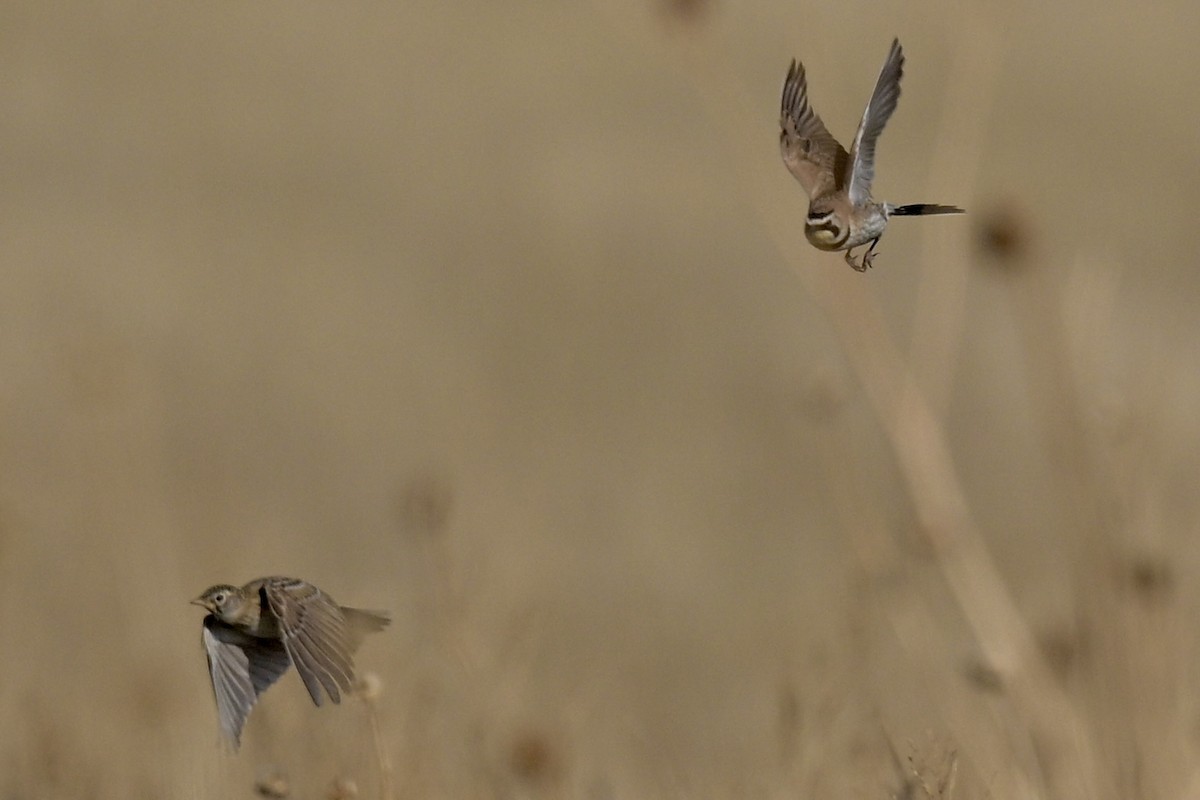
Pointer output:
x,y
271,782
369,687
1004,236
343,789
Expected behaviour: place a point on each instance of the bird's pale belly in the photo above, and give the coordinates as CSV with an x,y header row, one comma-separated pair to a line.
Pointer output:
x,y
865,233
824,238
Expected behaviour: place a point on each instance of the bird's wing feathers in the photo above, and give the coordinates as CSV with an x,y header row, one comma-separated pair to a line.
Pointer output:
x,y
810,152
313,631
242,668
860,170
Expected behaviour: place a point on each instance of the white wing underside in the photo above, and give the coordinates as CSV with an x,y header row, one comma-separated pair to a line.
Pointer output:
x,y
861,165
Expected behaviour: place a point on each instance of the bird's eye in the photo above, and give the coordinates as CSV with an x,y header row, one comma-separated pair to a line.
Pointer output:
x,y
219,598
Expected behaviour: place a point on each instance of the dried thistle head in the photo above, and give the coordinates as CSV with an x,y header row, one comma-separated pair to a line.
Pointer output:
x,y
425,505
1003,234
686,11
343,789
927,773
271,781
369,687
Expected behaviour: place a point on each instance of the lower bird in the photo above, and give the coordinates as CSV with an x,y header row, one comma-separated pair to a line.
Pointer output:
x,y
253,633
841,213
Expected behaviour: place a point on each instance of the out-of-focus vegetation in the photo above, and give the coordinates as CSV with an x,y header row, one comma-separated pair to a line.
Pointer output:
x,y
501,317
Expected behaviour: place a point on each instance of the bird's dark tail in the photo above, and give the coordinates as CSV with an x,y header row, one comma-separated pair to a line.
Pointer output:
x,y
920,209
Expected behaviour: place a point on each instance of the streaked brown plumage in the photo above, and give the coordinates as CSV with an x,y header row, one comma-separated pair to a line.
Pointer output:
x,y
252,634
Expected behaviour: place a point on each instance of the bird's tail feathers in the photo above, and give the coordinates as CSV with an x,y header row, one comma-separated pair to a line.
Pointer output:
x,y
360,622
921,209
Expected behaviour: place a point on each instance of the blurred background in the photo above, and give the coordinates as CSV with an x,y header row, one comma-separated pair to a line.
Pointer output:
x,y
501,317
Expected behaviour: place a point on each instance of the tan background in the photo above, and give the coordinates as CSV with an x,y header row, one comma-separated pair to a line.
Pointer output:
x,y
500,316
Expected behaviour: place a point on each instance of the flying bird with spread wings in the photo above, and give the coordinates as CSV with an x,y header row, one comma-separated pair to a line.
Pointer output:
x,y
253,633
841,213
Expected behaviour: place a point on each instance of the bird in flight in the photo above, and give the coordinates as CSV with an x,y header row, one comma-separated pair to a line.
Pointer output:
x,y
252,634
841,213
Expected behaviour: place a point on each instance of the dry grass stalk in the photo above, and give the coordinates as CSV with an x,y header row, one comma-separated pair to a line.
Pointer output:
x,y
915,433
370,687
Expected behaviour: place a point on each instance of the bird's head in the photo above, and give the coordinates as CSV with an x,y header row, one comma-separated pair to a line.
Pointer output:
x,y
824,227
224,601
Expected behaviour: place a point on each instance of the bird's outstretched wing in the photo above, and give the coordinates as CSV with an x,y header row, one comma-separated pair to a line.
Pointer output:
x,y
861,167
810,152
314,633
242,668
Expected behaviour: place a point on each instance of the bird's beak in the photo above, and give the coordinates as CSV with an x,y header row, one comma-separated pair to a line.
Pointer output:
x,y
199,601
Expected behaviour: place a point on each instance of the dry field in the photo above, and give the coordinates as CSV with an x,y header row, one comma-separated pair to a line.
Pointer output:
x,y
501,316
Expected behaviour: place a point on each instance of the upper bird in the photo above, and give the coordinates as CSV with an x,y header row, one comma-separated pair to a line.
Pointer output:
x,y
841,213
254,633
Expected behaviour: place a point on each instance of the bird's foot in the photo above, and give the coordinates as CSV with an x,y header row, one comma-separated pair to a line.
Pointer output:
x,y
868,257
